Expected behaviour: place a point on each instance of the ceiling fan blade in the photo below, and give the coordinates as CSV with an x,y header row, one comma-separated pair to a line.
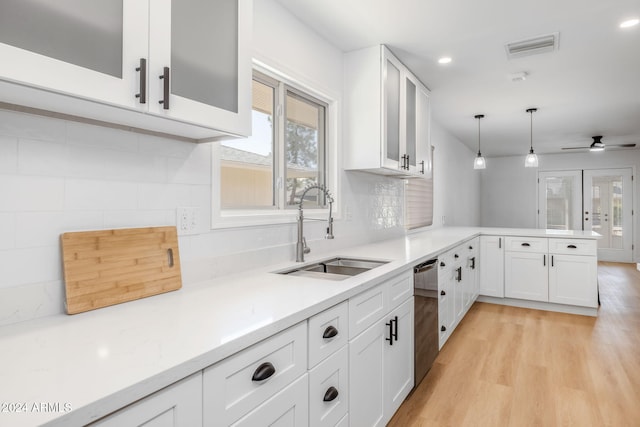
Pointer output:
x,y
575,148
622,145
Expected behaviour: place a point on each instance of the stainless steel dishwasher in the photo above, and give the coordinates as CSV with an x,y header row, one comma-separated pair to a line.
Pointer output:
x,y
425,291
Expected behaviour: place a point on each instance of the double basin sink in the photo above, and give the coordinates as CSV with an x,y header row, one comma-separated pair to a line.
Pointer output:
x,y
337,268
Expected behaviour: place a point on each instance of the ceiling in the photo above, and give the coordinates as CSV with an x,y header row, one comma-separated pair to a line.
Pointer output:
x,y
589,86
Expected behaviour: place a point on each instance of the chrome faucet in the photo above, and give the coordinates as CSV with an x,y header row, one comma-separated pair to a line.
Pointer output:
x,y
301,244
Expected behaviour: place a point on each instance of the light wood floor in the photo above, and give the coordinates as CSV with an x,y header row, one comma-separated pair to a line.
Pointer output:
x,y
506,366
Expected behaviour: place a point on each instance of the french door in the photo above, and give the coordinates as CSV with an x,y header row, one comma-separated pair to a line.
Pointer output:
x,y
597,200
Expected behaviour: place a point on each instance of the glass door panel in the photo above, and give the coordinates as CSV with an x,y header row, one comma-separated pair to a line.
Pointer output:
x,y
607,211
560,200
410,111
392,111
204,52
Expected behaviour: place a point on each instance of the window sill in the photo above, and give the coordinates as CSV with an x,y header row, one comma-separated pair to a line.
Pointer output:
x,y
243,218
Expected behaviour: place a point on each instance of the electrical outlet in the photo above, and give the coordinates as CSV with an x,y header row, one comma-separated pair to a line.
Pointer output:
x,y
188,220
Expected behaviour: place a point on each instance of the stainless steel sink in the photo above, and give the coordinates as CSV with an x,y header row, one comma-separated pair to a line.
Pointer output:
x,y
337,268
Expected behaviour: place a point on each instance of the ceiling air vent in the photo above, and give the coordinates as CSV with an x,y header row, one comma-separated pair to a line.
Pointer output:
x,y
532,46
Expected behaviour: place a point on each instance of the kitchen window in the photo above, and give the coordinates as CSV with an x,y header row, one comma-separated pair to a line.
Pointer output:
x,y
260,179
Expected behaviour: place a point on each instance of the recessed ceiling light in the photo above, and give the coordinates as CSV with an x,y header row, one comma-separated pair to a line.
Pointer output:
x,y
629,23
444,60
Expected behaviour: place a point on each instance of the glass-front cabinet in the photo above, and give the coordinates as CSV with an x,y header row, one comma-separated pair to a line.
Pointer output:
x,y
388,106
181,59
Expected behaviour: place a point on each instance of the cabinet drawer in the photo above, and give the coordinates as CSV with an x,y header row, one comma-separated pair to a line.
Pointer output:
x,y
179,404
329,390
332,323
288,408
400,288
366,308
229,390
526,244
573,247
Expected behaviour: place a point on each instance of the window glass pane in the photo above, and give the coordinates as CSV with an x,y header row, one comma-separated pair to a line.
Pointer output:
x,y
246,169
304,149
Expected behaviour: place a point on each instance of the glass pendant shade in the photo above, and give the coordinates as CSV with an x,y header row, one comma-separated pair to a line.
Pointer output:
x,y
479,162
531,161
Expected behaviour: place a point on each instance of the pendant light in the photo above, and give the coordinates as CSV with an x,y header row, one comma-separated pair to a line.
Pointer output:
x,y
479,162
531,161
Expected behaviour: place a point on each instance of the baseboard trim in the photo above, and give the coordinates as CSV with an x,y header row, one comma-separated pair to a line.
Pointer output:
x,y
540,305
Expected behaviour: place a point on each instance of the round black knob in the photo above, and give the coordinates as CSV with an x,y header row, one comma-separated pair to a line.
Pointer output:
x,y
456,256
470,247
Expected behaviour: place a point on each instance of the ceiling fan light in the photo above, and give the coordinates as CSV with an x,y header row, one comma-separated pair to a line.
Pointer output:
x,y
479,162
596,148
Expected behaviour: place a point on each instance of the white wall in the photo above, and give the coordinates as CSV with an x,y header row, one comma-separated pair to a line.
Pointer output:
x,y
509,190
58,176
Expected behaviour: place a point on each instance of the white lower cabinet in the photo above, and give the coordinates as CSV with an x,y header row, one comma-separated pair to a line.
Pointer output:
x,y
491,266
329,390
239,384
561,271
178,405
381,358
526,276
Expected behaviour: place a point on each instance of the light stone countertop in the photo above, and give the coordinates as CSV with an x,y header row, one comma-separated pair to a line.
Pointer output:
x,y
100,361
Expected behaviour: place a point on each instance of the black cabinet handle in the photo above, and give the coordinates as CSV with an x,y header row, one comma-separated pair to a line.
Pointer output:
x,y
544,260
456,256
422,167
443,293
330,394
526,244
443,328
572,247
551,260
264,371
473,263
393,336
499,242
330,332
442,264
408,166
142,69
470,248
165,88
459,278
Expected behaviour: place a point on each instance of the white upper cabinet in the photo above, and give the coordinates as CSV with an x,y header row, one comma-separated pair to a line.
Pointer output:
x,y
387,119
85,58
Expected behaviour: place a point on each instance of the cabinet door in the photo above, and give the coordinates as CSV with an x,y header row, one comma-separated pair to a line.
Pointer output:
x,y
526,276
459,291
288,408
178,405
206,47
423,138
491,266
366,373
84,49
392,98
398,363
573,280
329,390
411,121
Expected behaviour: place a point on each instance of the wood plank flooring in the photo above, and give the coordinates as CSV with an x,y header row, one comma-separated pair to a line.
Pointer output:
x,y
507,366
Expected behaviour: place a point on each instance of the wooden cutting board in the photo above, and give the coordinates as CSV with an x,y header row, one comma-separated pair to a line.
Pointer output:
x,y
108,267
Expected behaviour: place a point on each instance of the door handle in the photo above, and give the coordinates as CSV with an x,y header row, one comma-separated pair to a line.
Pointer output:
x,y
165,88
526,244
330,332
142,69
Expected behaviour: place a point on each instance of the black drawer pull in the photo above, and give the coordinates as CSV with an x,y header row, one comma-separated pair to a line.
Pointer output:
x,y
572,247
142,95
330,394
443,293
443,328
456,256
442,264
330,332
526,244
264,371
165,88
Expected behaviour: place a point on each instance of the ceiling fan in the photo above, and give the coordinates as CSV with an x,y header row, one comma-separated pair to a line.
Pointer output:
x,y
598,145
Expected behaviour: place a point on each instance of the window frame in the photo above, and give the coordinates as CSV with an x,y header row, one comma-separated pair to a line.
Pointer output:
x,y
281,213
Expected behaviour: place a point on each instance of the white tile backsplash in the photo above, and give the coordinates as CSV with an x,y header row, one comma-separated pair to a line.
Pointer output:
x,y
7,230
87,135
82,194
8,154
30,265
42,158
20,193
32,127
